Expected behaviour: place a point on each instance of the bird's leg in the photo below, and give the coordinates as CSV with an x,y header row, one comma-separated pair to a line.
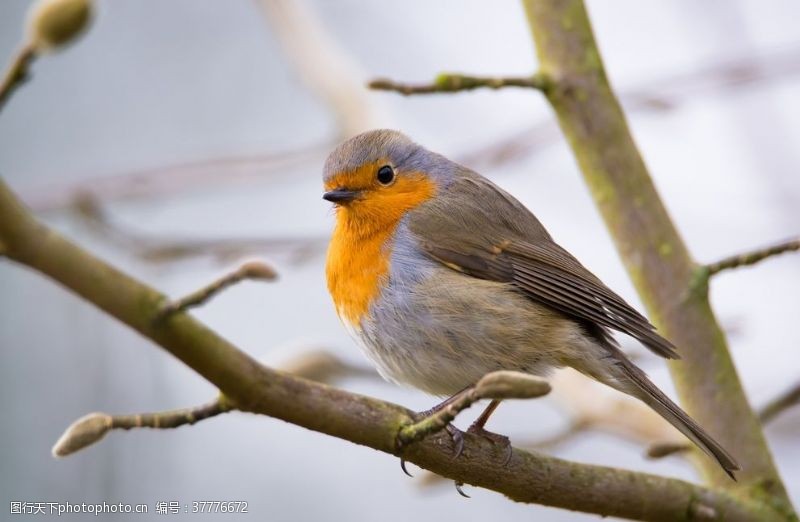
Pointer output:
x,y
444,404
455,434
477,428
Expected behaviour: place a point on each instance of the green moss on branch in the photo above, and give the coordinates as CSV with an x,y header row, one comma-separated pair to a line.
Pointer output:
x,y
595,126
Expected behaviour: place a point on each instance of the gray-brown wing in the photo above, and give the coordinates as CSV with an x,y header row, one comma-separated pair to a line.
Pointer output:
x,y
476,239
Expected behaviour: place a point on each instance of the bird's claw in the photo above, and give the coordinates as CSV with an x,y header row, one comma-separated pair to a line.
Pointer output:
x,y
456,435
403,467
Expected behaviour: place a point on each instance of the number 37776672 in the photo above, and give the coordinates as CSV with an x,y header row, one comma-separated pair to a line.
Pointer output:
x,y
219,506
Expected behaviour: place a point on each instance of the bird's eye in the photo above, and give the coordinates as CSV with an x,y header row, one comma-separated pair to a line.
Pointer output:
x,y
385,175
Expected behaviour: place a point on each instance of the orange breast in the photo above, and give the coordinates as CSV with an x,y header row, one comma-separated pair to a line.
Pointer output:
x,y
356,268
360,249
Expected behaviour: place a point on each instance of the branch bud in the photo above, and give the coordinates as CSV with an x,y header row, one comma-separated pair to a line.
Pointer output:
x,y
258,270
511,385
83,432
55,23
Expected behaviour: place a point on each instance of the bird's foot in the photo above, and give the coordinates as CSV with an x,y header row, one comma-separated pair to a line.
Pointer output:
x,y
456,436
495,438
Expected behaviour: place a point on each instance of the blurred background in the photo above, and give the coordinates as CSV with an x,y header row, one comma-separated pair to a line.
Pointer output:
x,y
177,138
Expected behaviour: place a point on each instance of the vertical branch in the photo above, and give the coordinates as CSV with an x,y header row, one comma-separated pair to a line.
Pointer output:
x,y
651,248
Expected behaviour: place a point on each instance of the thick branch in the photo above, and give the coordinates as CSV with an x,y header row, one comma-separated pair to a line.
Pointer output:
x,y
448,83
252,387
651,248
753,257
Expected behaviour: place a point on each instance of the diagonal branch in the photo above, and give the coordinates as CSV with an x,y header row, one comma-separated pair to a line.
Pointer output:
x,y
752,257
766,414
449,83
252,387
318,365
160,249
17,72
780,404
253,270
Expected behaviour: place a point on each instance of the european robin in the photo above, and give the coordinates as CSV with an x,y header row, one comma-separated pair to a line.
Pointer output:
x,y
443,277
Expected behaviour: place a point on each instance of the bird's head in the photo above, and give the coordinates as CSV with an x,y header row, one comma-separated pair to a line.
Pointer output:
x,y
378,176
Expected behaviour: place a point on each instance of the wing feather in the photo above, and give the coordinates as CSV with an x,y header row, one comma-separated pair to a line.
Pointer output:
x,y
485,237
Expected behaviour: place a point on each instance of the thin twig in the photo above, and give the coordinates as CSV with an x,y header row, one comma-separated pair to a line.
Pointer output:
x,y
768,413
317,365
495,385
780,404
569,433
663,93
172,418
160,249
93,427
449,83
321,365
165,180
659,95
253,270
753,257
17,72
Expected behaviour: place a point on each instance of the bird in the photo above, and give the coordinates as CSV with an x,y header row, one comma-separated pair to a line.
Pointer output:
x,y
442,277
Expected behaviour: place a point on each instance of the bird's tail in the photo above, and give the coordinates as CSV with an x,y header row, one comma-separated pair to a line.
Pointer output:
x,y
633,381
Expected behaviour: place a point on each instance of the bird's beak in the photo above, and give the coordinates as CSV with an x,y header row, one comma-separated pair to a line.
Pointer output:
x,y
340,195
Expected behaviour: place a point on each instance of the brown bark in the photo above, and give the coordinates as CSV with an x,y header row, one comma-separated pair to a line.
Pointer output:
x,y
651,248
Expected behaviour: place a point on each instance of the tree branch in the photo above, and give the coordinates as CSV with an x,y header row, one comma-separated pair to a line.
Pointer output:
x,y
497,385
160,249
93,427
17,72
253,387
651,248
449,83
177,178
659,94
317,365
766,414
753,257
254,270
780,404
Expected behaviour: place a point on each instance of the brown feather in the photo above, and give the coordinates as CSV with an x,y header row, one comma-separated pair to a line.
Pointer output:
x,y
498,239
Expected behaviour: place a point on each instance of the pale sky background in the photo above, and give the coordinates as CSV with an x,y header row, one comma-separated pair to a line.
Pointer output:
x,y
157,83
